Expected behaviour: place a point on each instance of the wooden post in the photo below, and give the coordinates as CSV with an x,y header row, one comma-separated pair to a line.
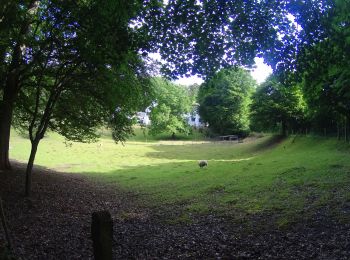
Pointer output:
x,y
102,235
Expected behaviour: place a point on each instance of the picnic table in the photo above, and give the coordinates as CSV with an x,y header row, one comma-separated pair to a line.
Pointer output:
x,y
228,137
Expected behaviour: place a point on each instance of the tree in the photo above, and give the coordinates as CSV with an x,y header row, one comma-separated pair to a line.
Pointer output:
x,y
11,44
224,100
44,107
275,105
51,45
193,92
171,104
194,37
201,37
317,58
74,85
325,70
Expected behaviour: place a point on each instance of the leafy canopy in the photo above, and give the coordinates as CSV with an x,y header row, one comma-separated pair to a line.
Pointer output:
x,y
201,37
275,105
82,70
224,101
171,104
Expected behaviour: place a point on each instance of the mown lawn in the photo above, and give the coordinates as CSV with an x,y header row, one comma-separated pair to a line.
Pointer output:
x,y
290,178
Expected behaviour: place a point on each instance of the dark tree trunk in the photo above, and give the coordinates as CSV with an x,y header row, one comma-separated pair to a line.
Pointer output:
x,y
284,128
11,89
338,131
10,93
29,169
346,126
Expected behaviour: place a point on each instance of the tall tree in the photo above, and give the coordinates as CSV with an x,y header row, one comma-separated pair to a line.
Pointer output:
x,y
109,98
171,104
224,101
325,68
14,35
277,106
52,43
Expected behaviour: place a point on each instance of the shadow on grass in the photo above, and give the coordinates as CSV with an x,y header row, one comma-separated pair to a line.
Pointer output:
x,y
214,150
268,143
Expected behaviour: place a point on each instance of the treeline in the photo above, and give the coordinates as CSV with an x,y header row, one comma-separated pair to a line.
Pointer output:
x,y
310,88
315,78
232,103
292,109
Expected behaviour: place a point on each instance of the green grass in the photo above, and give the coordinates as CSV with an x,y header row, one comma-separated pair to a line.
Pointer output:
x,y
289,178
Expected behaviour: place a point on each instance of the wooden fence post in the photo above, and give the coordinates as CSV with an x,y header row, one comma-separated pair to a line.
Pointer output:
x,y
102,235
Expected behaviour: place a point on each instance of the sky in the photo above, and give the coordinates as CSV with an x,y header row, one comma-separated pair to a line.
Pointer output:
x,y
260,73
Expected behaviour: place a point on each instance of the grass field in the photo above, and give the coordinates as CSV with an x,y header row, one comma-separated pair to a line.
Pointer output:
x,y
290,178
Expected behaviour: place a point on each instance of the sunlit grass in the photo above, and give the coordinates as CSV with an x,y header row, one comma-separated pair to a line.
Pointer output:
x,y
291,178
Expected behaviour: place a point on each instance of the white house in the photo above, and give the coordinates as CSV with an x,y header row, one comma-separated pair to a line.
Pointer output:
x,y
193,118
143,117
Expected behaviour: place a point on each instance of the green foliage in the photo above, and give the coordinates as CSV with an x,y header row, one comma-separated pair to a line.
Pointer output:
x,y
202,37
224,101
326,69
171,103
142,134
314,52
275,105
85,75
193,92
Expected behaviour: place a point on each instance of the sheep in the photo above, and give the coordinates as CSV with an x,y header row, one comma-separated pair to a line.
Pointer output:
x,y
202,163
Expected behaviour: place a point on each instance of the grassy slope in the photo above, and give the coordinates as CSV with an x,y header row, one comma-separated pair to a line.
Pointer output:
x,y
291,179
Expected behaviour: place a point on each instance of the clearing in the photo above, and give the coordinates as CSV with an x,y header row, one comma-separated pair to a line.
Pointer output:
x,y
264,198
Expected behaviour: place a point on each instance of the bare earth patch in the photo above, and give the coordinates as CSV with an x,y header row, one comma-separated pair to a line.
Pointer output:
x,y
55,224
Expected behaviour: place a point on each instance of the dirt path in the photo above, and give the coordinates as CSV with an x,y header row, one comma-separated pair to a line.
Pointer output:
x,y
55,224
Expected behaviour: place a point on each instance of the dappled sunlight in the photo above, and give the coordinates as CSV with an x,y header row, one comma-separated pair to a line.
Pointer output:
x,y
255,176
107,156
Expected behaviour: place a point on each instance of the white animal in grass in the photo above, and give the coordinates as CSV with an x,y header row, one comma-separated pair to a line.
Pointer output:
x,y
202,163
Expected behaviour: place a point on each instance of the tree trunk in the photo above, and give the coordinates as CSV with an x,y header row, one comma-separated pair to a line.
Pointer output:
x,y
29,169
4,143
11,89
338,131
10,93
284,128
347,129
